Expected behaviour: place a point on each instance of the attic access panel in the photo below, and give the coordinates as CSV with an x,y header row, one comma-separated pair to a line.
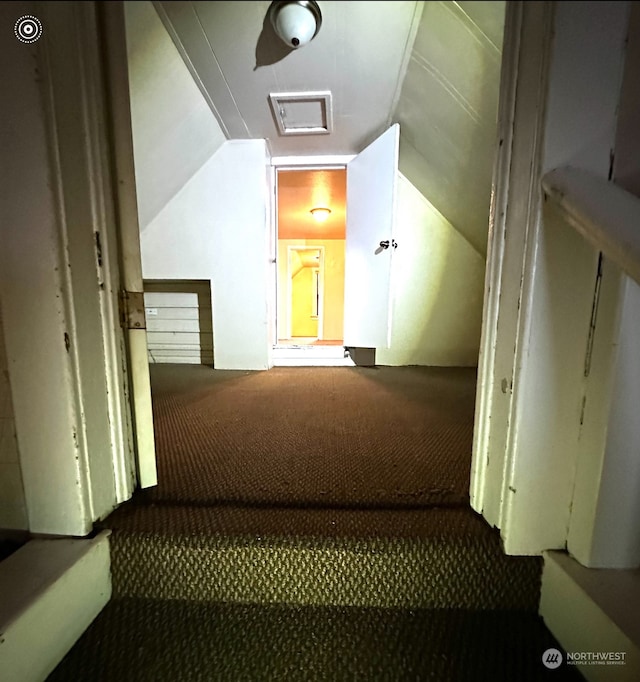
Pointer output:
x,y
302,113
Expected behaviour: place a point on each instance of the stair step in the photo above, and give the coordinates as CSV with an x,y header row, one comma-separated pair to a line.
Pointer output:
x,y
135,640
442,558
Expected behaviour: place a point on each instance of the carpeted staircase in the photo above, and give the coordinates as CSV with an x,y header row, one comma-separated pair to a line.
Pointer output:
x,y
312,524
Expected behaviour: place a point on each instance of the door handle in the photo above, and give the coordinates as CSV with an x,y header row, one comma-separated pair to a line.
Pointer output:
x,y
384,244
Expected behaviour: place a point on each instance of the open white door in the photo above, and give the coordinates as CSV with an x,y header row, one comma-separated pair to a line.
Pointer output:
x,y
131,283
371,196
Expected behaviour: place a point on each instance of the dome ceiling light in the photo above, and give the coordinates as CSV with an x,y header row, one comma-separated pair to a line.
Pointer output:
x,y
296,22
320,213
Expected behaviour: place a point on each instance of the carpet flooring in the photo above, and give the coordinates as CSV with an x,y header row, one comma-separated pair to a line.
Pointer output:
x,y
312,524
179,641
344,437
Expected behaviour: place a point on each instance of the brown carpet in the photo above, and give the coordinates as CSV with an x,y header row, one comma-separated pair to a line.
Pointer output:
x,y
315,486
312,525
138,640
441,558
321,437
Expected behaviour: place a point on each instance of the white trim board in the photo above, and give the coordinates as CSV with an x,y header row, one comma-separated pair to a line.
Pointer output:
x,y
51,592
311,356
593,610
312,161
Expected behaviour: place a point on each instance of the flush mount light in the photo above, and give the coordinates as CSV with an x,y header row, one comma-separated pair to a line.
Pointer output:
x,y
320,214
296,22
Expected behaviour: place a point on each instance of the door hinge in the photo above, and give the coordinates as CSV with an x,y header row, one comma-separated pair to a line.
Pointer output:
x,y
131,305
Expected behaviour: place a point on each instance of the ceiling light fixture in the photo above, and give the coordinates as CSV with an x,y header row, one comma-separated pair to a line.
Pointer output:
x,y
296,22
320,214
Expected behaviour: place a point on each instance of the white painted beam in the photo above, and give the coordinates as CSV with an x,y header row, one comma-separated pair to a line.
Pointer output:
x,y
311,161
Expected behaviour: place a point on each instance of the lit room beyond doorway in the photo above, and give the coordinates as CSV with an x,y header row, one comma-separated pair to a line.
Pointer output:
x,y
310,263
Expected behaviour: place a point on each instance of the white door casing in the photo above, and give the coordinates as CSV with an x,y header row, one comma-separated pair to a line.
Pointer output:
x,y
371,198
64,200
129,240
516,172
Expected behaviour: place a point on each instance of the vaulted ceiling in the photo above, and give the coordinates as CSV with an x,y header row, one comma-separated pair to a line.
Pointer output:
x,y
434,67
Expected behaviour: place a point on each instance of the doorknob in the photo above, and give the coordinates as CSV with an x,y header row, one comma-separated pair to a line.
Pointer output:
x,y
384,244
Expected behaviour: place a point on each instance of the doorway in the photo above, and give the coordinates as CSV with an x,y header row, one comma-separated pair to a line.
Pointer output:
x,y
310,227
305,293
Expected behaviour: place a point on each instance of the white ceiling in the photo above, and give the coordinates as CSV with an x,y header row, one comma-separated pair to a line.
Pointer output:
x,y
239,61
434,67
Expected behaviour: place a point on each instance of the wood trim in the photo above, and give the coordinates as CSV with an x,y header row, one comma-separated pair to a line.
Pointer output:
x,y
51,592
513,222
606,215
124,187
601,602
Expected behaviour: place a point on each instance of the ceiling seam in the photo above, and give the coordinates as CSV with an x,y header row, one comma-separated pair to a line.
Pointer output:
x,y
233,99
182,50
408,52
472,25
448,86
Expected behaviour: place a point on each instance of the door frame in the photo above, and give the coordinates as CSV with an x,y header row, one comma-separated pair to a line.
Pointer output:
x,y
292,163
126,244
76,439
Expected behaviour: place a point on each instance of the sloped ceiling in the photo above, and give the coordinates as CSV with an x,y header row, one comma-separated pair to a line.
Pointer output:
x,y
238,61
448,111
434,67
174,133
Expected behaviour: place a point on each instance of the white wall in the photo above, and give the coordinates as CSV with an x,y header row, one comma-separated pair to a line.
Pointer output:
x,y
13,510
437,284
616,539
202,201
616,533
216,228
174,130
